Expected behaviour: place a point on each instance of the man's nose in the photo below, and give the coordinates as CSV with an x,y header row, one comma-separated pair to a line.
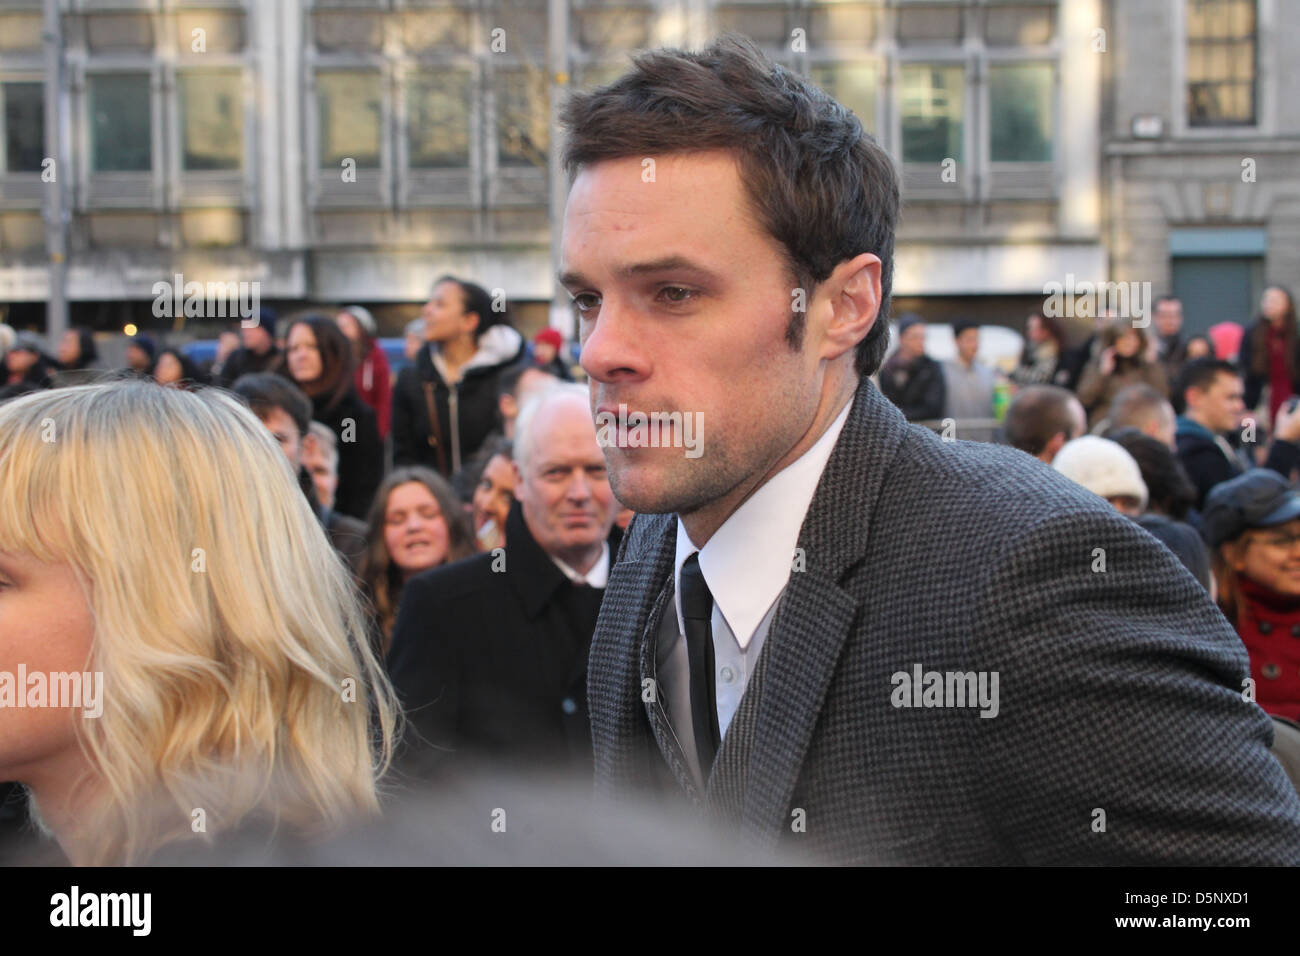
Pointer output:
x,y
613,349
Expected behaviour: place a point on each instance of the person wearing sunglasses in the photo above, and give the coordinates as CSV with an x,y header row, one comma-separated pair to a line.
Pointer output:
x,y
1253,524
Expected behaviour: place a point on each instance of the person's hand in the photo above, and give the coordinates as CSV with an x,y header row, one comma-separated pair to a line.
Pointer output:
x,y
1287,425
1106,363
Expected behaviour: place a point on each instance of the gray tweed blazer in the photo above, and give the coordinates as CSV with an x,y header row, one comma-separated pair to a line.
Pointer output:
x,y
1122,734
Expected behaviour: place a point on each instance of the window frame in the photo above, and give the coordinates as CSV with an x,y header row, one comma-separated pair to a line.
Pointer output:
x,y
1266,53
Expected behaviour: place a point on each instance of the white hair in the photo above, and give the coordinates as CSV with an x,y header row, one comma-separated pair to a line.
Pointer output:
x,y
524,423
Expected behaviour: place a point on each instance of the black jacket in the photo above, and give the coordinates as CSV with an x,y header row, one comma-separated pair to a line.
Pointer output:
x,y
489,658
1207,463
474,397
917,389
243,362
361,452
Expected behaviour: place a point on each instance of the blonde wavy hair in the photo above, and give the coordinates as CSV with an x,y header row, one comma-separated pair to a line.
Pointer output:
x,y
236,671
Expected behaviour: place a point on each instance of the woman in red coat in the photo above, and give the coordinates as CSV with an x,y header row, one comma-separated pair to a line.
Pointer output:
x,y
373,379
1253,523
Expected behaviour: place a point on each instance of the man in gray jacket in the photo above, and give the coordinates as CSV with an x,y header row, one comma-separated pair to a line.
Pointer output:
x,y
830,627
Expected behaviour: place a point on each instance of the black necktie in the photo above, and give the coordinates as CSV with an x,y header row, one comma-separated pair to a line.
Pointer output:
x,y
697,610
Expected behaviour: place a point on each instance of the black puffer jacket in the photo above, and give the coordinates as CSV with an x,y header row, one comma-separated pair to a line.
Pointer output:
x,y
474,399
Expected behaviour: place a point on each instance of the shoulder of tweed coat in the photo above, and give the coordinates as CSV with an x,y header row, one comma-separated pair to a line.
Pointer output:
x,y
1120,734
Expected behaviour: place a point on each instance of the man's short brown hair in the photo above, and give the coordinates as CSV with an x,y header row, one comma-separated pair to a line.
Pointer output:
x,y
817,181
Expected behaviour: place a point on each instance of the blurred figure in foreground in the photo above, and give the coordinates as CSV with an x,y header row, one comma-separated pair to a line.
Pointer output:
x,y
225,668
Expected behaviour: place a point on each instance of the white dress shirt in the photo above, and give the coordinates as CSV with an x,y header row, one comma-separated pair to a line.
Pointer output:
x,y
746,565
596,577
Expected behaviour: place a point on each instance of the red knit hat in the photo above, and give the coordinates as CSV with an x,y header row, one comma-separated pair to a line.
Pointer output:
x,y
551,336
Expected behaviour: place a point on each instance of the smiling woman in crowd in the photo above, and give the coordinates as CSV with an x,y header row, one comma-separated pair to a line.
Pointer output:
x,y
416,523
237,687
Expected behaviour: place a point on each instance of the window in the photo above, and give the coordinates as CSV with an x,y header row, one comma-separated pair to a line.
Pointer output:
x,y
24,126
523,118
121,123
351,118
1020,113
438,120
212,122
1221,62
932,112
853,85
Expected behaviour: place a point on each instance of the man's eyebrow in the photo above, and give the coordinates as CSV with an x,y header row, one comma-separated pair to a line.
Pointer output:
x,y
653,267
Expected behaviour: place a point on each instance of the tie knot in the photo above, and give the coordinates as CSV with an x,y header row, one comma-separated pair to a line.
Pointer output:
x,y
697,600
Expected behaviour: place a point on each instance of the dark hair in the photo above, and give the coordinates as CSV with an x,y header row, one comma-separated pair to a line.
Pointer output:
x,y
190,374
466,480
87,351
1036,415
1259,337
1053,327
1169,490
335,359
475,299
264,391
1135,405
1200,374
818,183
381,577
508,380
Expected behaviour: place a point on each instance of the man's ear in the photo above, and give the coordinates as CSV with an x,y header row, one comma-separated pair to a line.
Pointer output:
x,y
853,296
1053,446
508,406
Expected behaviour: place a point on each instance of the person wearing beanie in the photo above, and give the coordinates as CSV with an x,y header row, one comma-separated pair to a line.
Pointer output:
x,y
969,384
1252,523
259,352
911,379
140,354
371,376
1106,469
547,345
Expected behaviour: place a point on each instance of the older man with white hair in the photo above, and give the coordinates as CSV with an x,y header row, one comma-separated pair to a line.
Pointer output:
x,y
490,653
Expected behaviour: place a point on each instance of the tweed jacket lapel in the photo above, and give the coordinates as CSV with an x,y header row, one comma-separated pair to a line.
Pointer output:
x,y
761,757
623,739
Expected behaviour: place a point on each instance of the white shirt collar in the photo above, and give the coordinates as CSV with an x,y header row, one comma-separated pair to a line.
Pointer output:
x,y
748,561
596,577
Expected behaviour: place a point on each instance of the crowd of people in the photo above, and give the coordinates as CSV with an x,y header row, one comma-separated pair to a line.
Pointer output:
x,y
1197,438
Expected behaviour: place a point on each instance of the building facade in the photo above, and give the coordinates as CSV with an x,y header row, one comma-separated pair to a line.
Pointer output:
x,y
353,150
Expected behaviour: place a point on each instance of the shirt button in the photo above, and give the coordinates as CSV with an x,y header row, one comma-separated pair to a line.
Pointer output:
x,y
728,675
569,706
1266,627
1295,630
1271,671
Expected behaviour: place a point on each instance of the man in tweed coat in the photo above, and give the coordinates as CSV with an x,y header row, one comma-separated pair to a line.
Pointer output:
x,y
830,628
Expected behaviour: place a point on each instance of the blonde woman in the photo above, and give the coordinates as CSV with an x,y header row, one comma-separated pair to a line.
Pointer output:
x,y
155,542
